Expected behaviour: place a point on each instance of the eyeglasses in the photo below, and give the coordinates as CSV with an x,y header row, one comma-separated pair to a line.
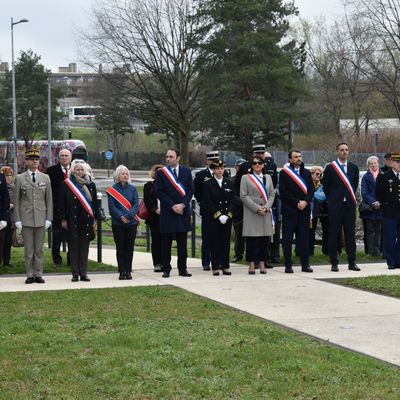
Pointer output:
x,y
317,173
257,163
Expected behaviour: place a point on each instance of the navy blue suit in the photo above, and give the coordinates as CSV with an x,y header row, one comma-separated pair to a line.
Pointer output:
x,y
173,225
341,210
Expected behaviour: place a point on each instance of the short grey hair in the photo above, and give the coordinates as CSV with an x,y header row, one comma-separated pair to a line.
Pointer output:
x,y
369,159
118,171
74,163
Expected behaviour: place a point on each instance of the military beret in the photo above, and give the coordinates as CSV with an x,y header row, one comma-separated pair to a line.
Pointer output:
x,y
32,153
217,164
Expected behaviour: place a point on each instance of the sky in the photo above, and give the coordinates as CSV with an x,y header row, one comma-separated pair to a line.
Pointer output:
x,y
51,30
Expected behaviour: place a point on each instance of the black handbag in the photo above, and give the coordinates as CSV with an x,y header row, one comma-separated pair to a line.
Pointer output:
x,y
364,207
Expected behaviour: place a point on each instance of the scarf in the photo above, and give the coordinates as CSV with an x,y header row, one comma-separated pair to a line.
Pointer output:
x,y
83,182
374,174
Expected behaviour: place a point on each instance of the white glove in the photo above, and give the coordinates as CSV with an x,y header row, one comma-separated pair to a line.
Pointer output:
x,y
47,224
18,224
3,224
223,219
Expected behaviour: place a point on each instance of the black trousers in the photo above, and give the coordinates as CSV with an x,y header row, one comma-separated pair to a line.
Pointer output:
x,y
220,238
166,243
5,243
58,238
156,243
124,237
373,236
298,224
238,239
78,250
344,217
260,243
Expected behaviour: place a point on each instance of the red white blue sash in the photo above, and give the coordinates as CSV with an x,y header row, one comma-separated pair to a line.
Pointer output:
x,y
80,196
260,186
174,181
263,191
121,200
296,178
345,179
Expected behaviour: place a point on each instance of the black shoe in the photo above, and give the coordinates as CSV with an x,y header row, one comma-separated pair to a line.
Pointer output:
x,y
392,267
216,273
39,279
85,278
306,268
122,277
354,267
129,276
334,268
269,266
75,278
165,274
185,273
206,268
237,259
252,272
158,268
289,270
226,273
29,280
263,271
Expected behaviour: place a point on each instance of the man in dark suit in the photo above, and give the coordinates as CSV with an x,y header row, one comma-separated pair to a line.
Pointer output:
x,y
340,183
58,173
387,193
174,189
296,191
201,177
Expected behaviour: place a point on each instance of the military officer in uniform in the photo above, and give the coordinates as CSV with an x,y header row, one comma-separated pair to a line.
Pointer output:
x,y
387,193
217,208
33,208
201,177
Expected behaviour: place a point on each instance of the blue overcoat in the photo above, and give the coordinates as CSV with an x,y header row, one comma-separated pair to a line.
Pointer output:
x,y
170,222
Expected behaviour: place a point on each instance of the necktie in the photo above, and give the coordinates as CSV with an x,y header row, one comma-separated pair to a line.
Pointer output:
x,y
65,172
33,177
174,170
344,167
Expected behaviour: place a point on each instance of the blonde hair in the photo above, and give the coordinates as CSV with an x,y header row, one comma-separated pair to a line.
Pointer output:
x,y
118,171
315,168
154,170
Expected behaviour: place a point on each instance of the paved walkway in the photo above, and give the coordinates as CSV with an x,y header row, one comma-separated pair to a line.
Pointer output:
x,y
354,319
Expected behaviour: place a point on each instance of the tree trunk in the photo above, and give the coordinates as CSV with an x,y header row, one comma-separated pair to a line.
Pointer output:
x,y
248,142
184,149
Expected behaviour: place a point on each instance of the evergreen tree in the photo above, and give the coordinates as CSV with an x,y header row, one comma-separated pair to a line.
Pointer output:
x,y
250,73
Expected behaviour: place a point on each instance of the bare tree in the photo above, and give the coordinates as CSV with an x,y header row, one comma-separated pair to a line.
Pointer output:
x,y
147,42
380,21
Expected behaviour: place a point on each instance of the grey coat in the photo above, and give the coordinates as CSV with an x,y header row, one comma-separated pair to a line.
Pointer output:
x,y
254,224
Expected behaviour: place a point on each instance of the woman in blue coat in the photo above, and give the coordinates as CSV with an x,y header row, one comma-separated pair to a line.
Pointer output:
x,y
373,217
123,202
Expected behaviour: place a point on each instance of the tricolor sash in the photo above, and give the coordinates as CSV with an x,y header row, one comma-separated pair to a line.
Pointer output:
x,y
296,178
263,191
344,178
174,181
80,196
121,200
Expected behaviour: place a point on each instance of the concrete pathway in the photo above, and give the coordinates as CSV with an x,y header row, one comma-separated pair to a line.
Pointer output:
x,y
354,319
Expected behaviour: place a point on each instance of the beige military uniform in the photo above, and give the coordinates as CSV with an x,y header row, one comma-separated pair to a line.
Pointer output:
x,y
33,205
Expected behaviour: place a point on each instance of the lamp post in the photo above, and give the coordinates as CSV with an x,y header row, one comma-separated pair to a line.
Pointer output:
x,y
14,103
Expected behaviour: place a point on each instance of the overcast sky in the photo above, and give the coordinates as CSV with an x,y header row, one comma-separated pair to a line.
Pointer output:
x,y
51,30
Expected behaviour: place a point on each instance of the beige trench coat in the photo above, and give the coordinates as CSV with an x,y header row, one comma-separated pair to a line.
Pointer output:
x,y
254,224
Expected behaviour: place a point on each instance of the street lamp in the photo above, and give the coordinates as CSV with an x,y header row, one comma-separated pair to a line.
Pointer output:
x,y
14,103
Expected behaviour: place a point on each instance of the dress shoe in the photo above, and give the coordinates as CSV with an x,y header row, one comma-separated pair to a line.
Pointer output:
x,y
237,259
216,273
39,279
224,272
122,277
165,274
306,268
85,278
129,276
354,267
206,268
289,270
263,271
185,273
334,268
269,266
391,267
29,280
158,268
75,278
252,272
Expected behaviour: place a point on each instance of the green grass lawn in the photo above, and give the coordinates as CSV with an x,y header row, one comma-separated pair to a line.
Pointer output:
x,y
388,285
165,343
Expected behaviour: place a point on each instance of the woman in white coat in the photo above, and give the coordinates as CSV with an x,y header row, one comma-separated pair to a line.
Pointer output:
x,y
257,194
